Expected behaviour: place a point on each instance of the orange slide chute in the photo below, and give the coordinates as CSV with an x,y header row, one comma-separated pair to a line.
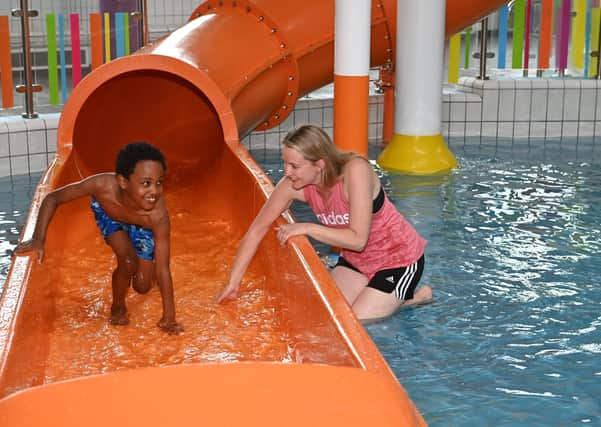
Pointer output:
x,y
289,351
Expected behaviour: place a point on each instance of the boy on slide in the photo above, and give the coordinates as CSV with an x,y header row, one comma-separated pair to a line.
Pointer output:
x,y
132,216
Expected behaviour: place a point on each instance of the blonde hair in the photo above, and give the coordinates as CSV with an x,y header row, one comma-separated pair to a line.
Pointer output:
x,y
314,144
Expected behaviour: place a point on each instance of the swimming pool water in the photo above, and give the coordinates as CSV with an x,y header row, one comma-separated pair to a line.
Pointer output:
x,y
15,198
513,336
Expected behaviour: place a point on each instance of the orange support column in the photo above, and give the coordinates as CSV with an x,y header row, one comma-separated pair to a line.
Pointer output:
x,y
6,67
351,101
351,74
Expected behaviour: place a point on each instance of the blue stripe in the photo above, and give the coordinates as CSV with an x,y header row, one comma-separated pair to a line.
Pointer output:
x,y
120,34
503,18
61,35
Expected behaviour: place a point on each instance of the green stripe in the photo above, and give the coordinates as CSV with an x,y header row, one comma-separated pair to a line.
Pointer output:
x,y
52,59
468,41
126,30
519,18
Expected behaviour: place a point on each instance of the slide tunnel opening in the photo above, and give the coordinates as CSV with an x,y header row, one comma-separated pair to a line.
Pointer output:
x,y
147,105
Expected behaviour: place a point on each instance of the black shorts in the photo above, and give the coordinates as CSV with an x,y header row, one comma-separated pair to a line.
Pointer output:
x,y
401,280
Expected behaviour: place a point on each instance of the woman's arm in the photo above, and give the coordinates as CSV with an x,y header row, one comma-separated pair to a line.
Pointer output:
x,y
359,183
278,202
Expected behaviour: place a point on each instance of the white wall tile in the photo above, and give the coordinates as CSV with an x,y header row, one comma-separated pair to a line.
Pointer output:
x,y
586,129
38,163
288,123
539,105
569,129
301,116
571,104
3,144
521,130
456,129
316,117
555,104
17,143
4,167
505,130
507,84
555,83
490,106
489,129
37,141
506,105
328,116
474,111
588,99
51,140
373,133
457,111
19,165
553,130
473,128
523,101
538,129
373,113
272,139
523,84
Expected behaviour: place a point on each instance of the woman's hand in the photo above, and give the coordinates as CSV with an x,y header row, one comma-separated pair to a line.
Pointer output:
x,y
286,231
230,292
33,245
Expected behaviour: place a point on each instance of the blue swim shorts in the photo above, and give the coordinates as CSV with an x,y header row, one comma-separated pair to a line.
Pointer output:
x,y
142,238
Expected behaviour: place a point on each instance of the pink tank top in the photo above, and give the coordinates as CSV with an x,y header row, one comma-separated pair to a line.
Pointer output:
x,y
392,242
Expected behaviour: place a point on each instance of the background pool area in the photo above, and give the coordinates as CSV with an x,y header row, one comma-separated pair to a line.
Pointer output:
x,y
15,198
513,336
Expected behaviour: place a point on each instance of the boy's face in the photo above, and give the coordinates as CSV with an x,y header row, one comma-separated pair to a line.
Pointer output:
x,y
145,184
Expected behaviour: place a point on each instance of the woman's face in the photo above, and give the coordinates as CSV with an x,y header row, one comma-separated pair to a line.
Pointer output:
x,y
298,170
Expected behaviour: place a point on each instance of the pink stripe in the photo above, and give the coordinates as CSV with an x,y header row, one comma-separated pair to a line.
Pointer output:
x,y
527,36
75,49
562,36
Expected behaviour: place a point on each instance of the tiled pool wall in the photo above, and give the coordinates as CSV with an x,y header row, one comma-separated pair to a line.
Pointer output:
x,y
506,109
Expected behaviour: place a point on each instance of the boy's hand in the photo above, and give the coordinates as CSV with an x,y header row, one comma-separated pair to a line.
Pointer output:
x,y
31,245
170,326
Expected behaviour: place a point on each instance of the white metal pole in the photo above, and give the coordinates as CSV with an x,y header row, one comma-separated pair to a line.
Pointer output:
x,y
417,145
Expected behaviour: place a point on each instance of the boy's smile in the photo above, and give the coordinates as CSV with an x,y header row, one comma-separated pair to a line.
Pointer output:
x,y
145,185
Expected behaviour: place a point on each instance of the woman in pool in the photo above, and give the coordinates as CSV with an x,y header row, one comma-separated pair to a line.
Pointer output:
x,y
382,256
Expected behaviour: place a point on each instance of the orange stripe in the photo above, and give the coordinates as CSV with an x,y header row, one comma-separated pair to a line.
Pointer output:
x,y
351,98
546,27
96,39
6,67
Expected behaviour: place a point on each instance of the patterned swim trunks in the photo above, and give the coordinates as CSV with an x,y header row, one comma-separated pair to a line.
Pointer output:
x,y
142,238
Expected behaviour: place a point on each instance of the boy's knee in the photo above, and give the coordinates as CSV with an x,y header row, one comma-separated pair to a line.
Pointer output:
x,y
141,284
143,278
128,263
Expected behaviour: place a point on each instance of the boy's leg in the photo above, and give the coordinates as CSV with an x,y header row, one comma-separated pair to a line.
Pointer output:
x,y
127,266
144,276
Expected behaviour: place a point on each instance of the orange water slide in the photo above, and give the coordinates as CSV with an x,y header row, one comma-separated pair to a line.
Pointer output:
x,y
289,351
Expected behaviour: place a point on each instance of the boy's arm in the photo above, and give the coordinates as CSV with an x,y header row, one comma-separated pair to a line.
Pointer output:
x,y
162,231
48,208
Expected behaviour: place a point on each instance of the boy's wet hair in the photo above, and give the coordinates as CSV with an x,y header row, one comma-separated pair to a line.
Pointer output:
x,y
135,152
